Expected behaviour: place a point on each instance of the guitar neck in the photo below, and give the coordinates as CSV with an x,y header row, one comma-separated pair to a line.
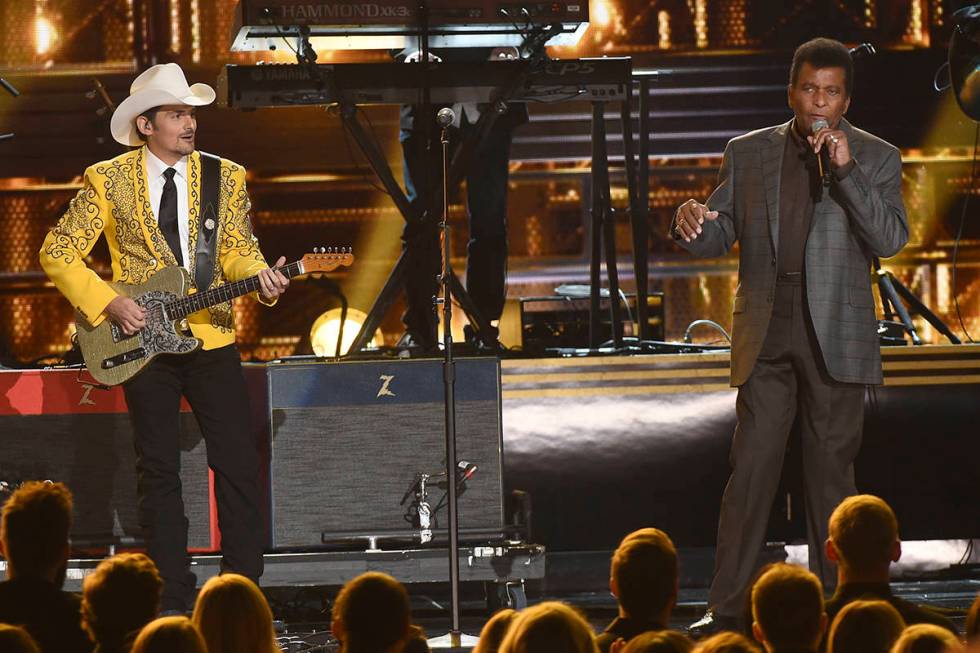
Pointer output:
x,y
181,308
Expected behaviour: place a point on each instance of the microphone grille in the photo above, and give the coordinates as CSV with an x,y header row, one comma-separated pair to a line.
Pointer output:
x,y
446,117
818,124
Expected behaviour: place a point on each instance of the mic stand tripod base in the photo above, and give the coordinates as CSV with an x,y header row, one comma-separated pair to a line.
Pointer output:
x,y
453,640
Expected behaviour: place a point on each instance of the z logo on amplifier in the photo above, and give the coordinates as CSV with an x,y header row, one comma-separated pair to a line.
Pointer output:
x,y
385,390
86,399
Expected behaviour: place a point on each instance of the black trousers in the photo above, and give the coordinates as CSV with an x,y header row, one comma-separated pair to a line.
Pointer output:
x,y
788,383
486,203
213,383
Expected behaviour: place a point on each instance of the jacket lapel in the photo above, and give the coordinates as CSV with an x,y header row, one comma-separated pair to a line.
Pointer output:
x,y
772,168
853,138
193,208
148,218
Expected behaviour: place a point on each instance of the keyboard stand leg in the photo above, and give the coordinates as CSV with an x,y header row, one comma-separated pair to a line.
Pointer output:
x,y
396,279
638,218
603,235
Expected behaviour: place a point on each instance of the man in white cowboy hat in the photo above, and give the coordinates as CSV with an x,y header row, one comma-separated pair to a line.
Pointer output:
x,y
148,203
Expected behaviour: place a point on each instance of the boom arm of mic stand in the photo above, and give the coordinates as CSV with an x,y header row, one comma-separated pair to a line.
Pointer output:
x,y
9,87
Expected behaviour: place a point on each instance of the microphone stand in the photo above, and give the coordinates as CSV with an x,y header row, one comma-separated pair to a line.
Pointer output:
x,y
454,638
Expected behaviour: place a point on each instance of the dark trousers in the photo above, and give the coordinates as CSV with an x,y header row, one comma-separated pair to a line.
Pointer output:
x,y
486,203
213,384
788,383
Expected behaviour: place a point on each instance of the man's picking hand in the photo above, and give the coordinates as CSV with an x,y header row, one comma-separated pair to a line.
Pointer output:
x,y
126,313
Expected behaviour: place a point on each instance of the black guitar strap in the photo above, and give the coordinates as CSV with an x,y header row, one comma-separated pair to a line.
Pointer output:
x,y
208,213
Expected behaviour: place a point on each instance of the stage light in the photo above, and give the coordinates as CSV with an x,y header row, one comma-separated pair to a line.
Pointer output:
x,y
175,27
663,29
326,329
44,34
701,22
196,31
600,14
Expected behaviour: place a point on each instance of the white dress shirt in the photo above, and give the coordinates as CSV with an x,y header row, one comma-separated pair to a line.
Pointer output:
x,y
154,175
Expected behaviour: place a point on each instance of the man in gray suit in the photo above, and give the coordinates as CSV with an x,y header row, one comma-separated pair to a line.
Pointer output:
x,y
804,335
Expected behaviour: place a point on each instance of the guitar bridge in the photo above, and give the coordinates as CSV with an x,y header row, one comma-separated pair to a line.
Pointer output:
x,y
123,358
118,335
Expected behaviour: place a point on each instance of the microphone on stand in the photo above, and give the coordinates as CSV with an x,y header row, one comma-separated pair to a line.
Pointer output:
x,y
445,117
823,156
863,50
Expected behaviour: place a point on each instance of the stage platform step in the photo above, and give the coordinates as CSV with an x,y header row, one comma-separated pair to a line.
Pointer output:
x,y
492,563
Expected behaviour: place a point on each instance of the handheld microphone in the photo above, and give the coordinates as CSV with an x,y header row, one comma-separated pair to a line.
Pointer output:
x,y
445,117
823,156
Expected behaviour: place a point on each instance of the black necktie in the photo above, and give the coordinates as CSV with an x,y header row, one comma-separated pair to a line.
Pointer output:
x,y
168,215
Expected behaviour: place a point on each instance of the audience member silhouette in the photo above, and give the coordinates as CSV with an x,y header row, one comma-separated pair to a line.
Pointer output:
x,y
787,609
662,641
927,638
494,631
34,532
372,615
416,641
865,627
119,598
863,541
14,639
726,642
170,635
233,616
549,627
643,578
973,621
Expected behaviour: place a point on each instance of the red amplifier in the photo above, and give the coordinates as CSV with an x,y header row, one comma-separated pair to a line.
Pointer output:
x,y
59,425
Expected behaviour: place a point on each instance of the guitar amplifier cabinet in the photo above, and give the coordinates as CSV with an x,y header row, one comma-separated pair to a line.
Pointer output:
x,y
348,439
55,426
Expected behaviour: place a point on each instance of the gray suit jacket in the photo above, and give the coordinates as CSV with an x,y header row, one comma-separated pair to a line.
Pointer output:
x,y
862,216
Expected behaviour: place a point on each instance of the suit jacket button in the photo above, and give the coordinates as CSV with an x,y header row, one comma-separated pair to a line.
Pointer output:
x,y
773,262
153,262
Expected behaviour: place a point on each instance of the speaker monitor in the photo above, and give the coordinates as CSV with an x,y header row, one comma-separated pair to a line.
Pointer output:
x,y
349,438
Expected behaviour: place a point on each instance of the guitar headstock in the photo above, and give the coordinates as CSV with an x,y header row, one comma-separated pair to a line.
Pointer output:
x,y
327,259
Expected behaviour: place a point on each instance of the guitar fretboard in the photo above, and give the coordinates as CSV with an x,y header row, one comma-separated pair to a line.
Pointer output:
x,y
181,308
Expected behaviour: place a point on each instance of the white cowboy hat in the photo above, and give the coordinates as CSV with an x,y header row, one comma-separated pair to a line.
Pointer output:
x,y
162,84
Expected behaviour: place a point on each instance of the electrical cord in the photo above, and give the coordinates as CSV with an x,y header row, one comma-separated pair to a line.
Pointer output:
x,y
711,323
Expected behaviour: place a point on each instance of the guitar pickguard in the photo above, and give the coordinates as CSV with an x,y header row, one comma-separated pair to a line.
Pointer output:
x,y
159,336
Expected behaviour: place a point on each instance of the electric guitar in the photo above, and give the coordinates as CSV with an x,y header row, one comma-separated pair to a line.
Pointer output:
x,y
112,357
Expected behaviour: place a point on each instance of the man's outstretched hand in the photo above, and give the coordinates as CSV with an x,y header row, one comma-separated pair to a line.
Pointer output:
x,y
690,217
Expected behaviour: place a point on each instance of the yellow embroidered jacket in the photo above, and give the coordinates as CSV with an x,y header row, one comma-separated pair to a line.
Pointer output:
x,y
115,201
